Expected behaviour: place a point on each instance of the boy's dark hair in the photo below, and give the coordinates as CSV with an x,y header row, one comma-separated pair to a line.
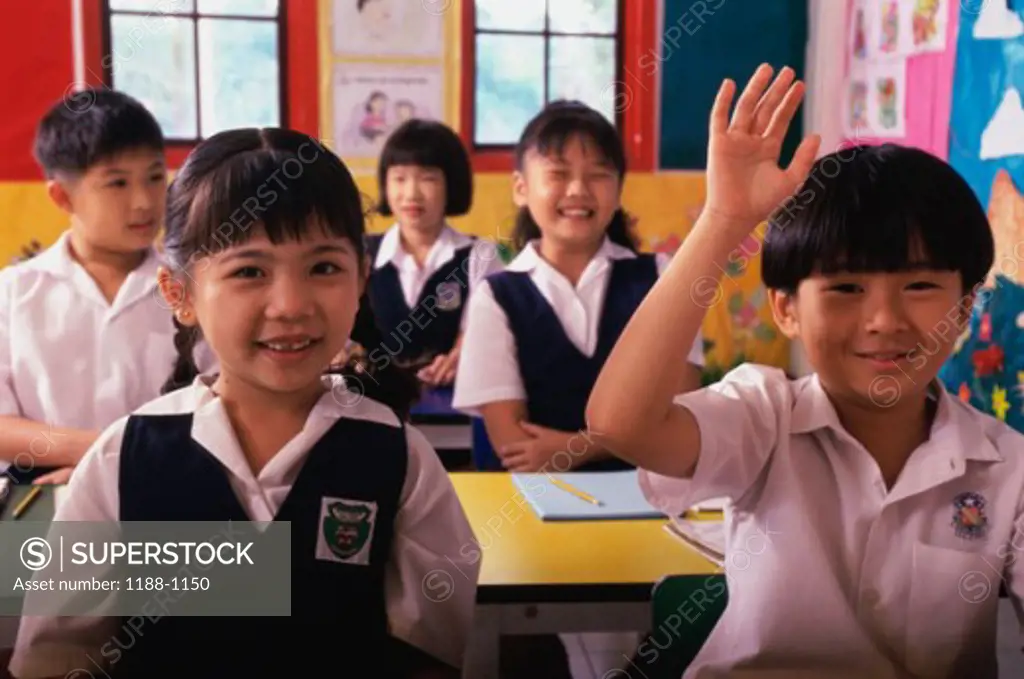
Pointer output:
x,y
548,132
92,126
428,143
873,209
287,181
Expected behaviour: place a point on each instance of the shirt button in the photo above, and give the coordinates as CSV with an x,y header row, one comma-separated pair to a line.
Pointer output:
x,y
871,597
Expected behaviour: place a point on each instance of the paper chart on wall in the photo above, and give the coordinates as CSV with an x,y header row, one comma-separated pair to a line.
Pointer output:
x,y
892,33
370,100
389,28
856,121
887,99
928,19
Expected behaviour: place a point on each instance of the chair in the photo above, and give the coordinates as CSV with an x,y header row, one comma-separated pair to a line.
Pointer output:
x,y
685,609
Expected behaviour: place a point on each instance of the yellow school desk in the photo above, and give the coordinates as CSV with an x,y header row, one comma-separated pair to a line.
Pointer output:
x,y
553,577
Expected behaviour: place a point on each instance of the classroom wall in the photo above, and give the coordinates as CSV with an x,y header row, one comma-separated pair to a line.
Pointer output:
x,y
37,63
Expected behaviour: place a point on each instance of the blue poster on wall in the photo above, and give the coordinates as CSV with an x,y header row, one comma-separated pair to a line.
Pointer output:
x,y
986,146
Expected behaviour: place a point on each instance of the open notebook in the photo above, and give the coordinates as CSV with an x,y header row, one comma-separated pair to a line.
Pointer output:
x,y
618,492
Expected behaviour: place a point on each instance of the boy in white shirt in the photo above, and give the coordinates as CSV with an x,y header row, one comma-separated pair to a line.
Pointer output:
x,y
873,515
84,338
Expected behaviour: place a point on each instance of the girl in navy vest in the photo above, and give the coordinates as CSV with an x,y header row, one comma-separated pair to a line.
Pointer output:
x,y
538,333
423,269
272,437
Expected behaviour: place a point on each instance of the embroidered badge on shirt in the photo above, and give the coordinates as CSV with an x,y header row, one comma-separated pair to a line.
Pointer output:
x,y
969,518
346,530
449,295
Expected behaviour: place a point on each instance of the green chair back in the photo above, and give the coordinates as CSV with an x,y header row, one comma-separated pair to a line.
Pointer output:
x,y
685,609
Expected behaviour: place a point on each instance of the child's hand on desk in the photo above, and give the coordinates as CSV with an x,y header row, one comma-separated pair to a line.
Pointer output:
x,y
57,477
535,452
441,372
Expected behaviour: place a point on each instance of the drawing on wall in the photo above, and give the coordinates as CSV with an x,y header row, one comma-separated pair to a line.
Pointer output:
x,y
371,100
386,28
1004,134
859,26
888,40
857,121
887,97
928,24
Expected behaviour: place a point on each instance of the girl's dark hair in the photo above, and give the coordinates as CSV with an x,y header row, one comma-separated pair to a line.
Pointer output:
x,y
549,132
880,208
277,181
428,143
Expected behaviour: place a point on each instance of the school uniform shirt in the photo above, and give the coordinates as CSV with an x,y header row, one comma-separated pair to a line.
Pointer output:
x,y
430,529
830,573
69,358
429,300
488,366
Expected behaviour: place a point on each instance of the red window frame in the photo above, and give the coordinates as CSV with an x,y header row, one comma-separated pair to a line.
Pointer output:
x,y
637,98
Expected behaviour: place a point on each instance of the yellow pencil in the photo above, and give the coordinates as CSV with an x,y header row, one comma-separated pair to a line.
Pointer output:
x,y
27,501
558,483
704,514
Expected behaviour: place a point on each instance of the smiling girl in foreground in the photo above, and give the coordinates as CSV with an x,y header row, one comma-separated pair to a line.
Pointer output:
x,y
273,438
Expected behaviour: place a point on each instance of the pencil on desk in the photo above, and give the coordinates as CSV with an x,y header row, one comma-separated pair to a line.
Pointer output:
x,y
572,490
27,501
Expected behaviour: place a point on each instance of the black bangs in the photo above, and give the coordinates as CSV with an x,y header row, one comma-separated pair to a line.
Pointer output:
x,y
560,121
276,182
428,143
878,209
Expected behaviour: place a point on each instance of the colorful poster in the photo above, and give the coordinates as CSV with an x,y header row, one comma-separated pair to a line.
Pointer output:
x,y
389,28
986,147
370,100
856,120
887,97
928,23
860,25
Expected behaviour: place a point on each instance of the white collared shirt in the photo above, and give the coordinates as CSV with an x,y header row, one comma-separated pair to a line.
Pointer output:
x,y
831,574
484,260
431,529
488,367
68,358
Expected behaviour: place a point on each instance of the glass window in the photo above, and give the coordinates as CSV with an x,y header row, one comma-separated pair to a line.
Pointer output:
x,y
201,66
530,52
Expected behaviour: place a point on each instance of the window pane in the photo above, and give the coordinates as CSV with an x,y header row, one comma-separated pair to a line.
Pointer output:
x,y
155,6
594,85
583,16
238,82
509,86
153,60
510,15
253,8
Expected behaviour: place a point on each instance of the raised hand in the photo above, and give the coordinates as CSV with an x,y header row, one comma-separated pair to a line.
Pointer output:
x,y
745,182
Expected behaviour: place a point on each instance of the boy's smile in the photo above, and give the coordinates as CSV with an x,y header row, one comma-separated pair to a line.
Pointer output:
x,y
857,328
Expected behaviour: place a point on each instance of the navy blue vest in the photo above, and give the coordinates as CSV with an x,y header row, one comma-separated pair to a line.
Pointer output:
x,y
338,613
557,377
430,328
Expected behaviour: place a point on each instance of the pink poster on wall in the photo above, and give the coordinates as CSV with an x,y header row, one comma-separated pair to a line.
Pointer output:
x,y
925,111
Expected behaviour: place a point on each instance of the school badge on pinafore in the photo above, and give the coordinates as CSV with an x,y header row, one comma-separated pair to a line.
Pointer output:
x,y
449,295
346,530
969,518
